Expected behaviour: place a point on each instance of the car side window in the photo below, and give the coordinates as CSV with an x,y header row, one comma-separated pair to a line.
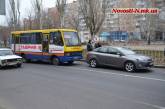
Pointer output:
x,y
113,51
96,50
103,50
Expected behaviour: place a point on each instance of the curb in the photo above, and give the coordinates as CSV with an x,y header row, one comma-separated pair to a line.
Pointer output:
x,y
83,60
159,66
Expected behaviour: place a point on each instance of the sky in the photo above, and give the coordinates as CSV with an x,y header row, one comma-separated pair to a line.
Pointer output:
x,y
26,5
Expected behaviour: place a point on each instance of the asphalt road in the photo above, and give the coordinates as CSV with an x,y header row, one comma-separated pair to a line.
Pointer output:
x,y
44,86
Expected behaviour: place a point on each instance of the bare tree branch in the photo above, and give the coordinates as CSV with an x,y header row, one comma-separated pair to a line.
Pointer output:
x,y
148,27
37,6
73,21
93,12
14,17
60,4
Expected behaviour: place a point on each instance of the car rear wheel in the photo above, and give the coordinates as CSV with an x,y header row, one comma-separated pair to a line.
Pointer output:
x,y
130,67
55,61
93,63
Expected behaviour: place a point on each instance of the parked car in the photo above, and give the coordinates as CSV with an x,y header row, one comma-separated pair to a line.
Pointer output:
x,y
118,57
7,58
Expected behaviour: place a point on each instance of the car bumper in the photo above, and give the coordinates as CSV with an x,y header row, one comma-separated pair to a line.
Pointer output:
x,y
144,65
10,63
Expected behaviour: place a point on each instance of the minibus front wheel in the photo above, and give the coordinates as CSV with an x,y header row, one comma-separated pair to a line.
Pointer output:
x,y
25,60
55,61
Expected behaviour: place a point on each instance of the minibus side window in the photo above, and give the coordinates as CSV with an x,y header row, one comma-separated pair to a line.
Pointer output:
x,y
56,38
25,38
36,38
31,38
15,39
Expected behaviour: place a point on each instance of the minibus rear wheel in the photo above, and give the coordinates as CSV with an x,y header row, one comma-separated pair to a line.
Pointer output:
x,y
70,62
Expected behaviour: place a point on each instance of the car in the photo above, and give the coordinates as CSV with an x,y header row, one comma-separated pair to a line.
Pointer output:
x,y
7,58
118,57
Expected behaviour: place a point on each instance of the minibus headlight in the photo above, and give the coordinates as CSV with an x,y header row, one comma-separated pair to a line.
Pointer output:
x,y
67,54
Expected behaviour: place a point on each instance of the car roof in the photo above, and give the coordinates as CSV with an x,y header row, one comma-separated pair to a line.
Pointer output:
x,y
5,49
113,47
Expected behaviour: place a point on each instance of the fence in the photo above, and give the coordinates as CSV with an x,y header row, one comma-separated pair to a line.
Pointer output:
x,y
158,56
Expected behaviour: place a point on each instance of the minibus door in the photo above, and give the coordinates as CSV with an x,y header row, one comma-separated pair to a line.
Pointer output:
x,y
45,43
15,40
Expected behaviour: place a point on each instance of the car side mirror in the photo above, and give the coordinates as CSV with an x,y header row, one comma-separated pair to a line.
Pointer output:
x,y
119,54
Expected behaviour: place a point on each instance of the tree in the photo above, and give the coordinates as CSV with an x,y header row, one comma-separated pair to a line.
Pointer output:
x,y
30,17
5,32
147,27
14,17
60,4
73,21
150,27
28,22
54,16
93,12
47,20
38,9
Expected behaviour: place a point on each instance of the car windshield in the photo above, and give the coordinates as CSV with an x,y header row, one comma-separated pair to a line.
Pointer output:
x,y
126,51
6,52
71,39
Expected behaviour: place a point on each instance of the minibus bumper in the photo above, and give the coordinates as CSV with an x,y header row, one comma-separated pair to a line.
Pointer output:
x,y
70,58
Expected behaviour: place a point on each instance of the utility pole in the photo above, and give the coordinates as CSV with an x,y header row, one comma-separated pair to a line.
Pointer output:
x,y
2,7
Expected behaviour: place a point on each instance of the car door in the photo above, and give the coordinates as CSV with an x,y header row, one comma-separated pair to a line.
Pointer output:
x,y
102,55
114,57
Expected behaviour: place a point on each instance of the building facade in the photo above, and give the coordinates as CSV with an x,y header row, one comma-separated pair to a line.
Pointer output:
x,y
160,20
131,23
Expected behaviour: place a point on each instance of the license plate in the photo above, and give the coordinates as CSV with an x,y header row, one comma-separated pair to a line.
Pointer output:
x,y
76,57
151,64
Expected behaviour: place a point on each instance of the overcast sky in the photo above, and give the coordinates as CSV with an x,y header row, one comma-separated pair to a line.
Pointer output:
x,y
26,5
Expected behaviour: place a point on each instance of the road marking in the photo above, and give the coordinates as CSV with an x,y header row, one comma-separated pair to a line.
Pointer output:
x,y
126,75
152,105
140,102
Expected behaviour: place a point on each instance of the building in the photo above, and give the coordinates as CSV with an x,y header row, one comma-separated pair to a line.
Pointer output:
x,y
72,19
160,20
71,16
131,23
53,14
111,22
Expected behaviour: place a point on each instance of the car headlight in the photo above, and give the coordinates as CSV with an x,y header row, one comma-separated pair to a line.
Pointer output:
x,y
137,60
141,60
19,59
4,61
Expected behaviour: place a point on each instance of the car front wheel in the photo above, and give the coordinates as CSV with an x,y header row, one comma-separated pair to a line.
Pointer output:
x,y
93,63
130,67
19,65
